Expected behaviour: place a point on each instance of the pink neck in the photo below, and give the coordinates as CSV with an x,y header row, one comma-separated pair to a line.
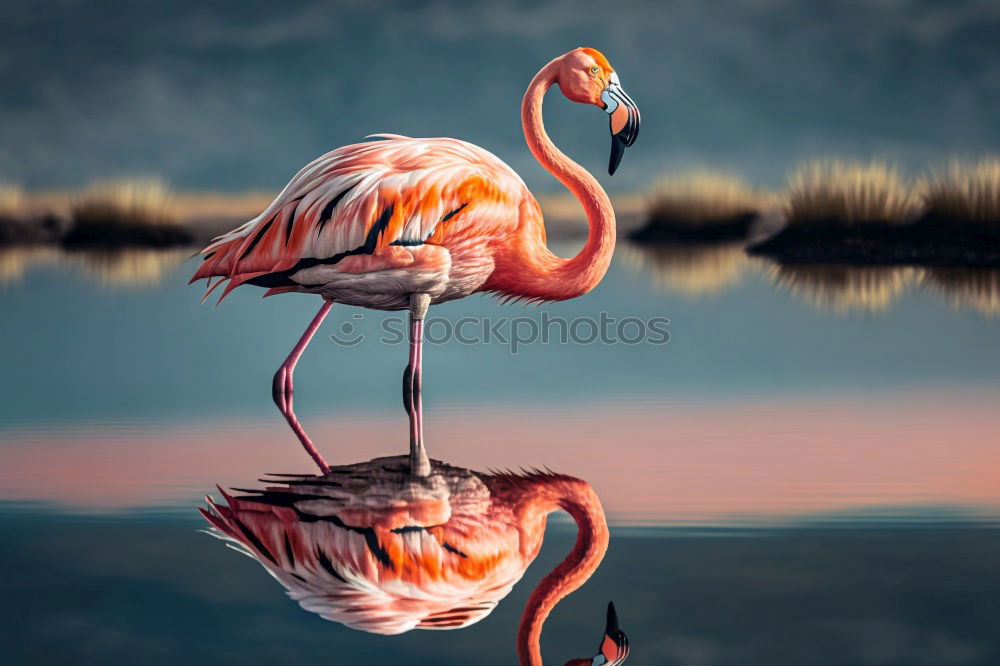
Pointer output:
x,y
544,494
539,274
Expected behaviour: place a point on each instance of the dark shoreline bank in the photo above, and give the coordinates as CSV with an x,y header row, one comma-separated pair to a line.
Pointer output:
x,y
667,231
57,232
927,242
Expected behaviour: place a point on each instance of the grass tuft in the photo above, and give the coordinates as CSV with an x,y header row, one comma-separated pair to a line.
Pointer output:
x,y
143,202
849,192
963,192
704,197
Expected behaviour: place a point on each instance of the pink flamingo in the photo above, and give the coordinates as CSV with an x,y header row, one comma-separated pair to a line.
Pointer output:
x,y
402,223
375,548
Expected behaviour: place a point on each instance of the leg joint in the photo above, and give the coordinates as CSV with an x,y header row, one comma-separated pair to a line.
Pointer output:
x,y
418,306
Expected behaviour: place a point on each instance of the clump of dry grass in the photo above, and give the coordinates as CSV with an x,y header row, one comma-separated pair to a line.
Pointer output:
x,y
196,207
964,191
565,218
849,192
12,200
125,202
704,197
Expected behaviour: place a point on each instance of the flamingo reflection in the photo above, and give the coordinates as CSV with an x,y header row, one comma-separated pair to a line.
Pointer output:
x,y
378,548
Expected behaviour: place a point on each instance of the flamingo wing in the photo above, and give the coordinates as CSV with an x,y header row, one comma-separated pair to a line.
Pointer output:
x,y
370,576
360,198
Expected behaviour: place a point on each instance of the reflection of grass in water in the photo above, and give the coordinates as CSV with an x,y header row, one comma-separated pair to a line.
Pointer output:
x,y
130,268
125,202
704,197
844,288
12,201
109,268
849,192
686,269
16,260
978,289
964,192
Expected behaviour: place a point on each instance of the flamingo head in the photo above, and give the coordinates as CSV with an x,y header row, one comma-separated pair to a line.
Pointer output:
x,y
585,76
613,649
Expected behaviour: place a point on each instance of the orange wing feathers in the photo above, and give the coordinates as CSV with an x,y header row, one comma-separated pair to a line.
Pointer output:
x,y
388,573
361,198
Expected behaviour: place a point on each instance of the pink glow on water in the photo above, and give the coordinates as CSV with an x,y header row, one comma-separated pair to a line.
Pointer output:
x,y
649,462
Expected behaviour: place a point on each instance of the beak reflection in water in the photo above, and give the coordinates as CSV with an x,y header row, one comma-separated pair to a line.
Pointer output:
x,y
613,649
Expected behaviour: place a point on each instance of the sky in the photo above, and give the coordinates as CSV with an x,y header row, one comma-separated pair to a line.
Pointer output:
x,y
235,96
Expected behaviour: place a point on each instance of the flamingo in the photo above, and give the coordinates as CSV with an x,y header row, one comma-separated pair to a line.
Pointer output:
x,y
398,223
377,548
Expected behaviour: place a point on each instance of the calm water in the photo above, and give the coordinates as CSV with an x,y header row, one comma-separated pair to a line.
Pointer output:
x,y
808,472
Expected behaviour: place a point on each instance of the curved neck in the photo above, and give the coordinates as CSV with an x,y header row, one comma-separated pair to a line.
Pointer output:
x,y
542,275
579,500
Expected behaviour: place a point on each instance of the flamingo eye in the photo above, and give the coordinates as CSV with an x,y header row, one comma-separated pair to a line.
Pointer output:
x,y
595,69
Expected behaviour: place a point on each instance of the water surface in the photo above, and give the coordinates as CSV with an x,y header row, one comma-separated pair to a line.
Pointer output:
x,y
808,472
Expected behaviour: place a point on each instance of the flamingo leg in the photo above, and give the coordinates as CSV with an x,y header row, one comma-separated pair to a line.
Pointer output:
x,y
412,383
282,387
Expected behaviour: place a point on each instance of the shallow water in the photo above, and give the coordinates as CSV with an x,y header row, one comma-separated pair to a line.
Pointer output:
x,y
808,472
152,591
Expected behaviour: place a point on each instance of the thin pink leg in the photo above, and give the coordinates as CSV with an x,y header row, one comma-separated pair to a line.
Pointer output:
x,y
282,387
412,385
415,370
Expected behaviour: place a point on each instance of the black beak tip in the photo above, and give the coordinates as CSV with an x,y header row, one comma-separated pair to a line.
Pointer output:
x,y
612,624
617,150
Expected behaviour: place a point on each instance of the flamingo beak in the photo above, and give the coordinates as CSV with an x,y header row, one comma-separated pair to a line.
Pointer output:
x,y
624,120
613,649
